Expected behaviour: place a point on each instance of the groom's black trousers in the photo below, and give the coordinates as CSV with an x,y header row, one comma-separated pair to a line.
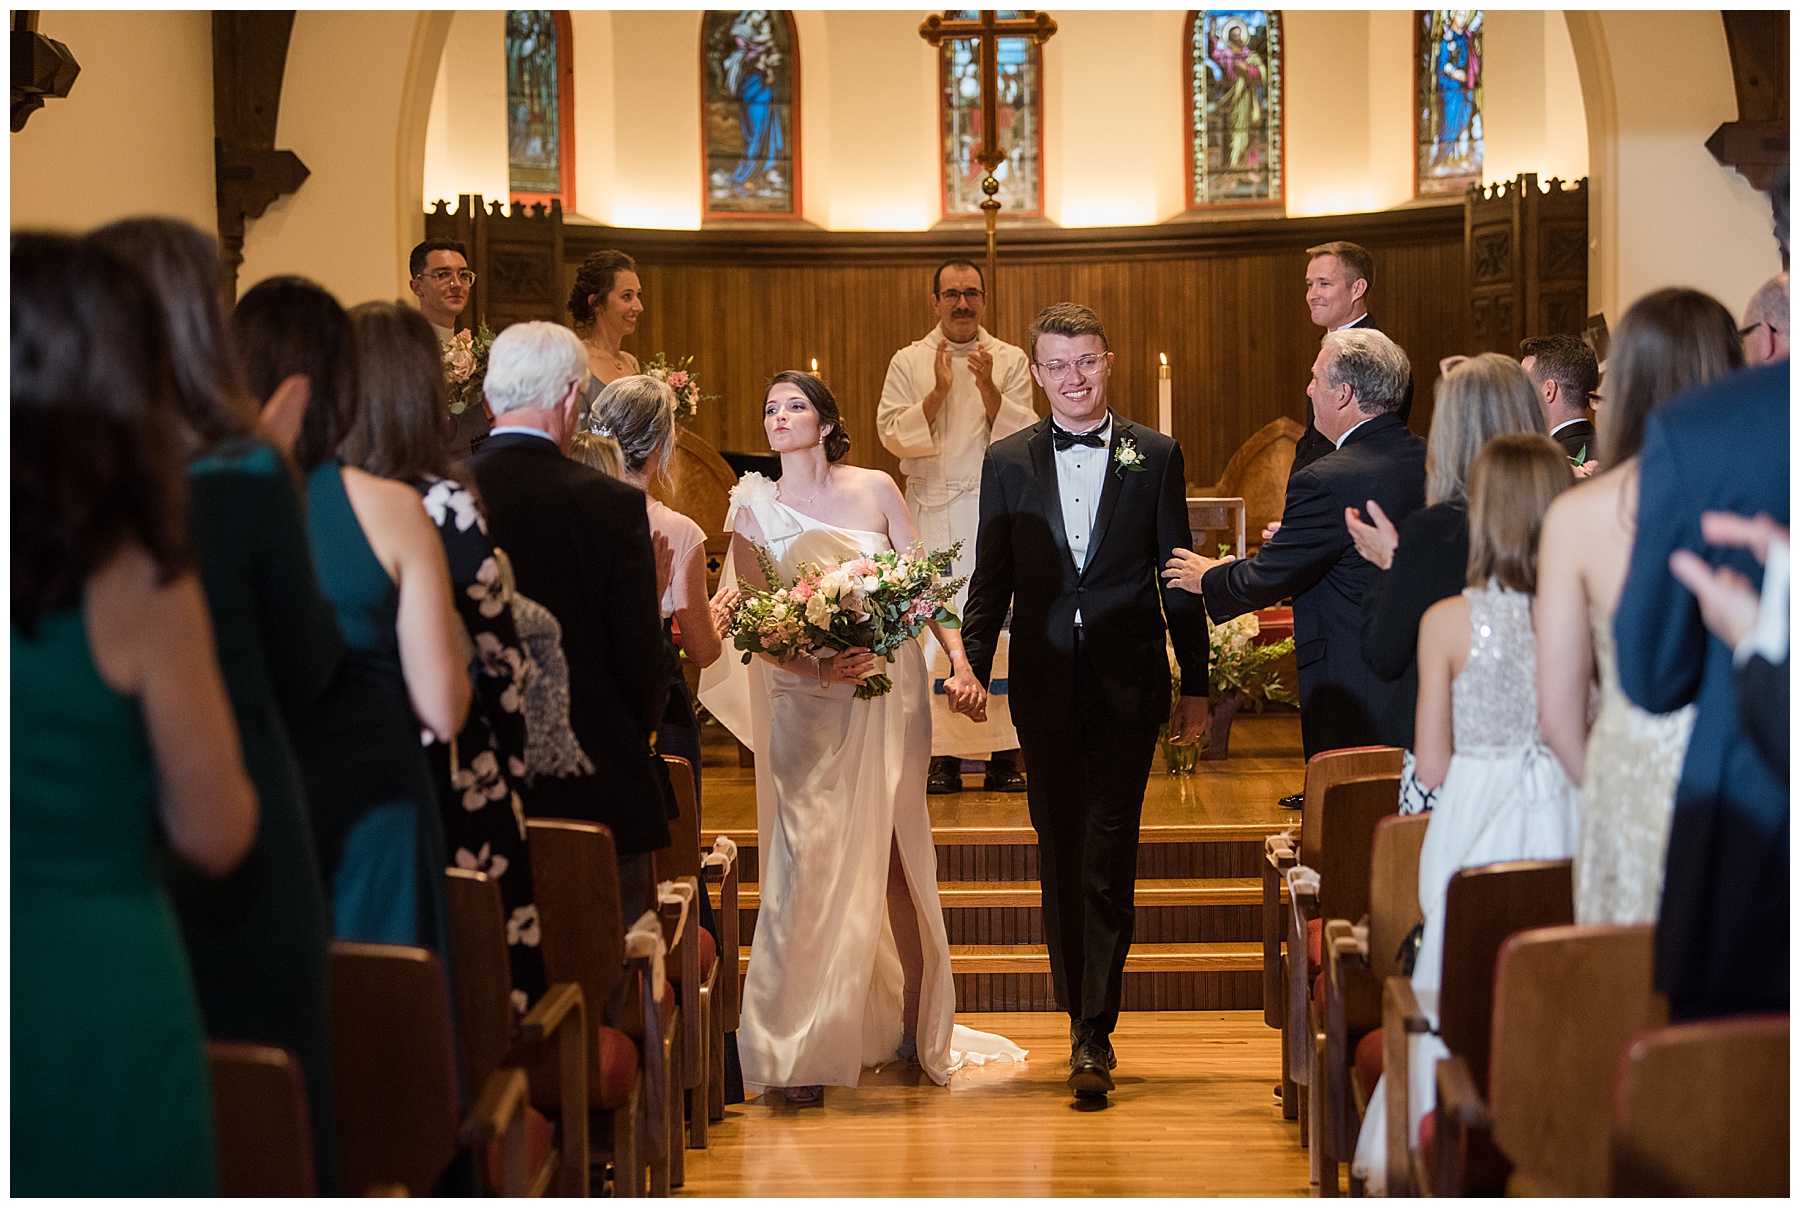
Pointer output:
x,y
1085,785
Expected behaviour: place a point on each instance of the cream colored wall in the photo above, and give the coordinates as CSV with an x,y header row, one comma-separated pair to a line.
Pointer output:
x,y
1534,117
868,122
469,98
656,95
134,135
354,104
1656,84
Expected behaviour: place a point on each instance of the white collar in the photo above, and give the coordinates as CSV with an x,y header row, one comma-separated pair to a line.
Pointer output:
x,y
1346,436
1359,319
1103,427
981,340
521,430
1579,419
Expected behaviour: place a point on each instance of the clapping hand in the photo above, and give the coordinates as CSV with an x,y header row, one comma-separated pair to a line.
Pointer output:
x,y
665,563
940,366
1729,604
1186,569
1376,539
966,695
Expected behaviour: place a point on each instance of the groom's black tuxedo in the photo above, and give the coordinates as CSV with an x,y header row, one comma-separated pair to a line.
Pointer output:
x,y
1086,701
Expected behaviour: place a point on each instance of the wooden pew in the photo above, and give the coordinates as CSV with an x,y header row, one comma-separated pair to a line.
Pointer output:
x,y
1702,1109
491,1039
1358,961
260,1121
1280,853
1567,1003
1483,906
393,1058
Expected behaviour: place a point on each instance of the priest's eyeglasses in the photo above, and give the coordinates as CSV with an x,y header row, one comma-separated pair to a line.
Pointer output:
x,y
444,276
954,296
1087,365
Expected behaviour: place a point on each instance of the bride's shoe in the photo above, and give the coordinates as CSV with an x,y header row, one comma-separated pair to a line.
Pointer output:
x,y
805,1096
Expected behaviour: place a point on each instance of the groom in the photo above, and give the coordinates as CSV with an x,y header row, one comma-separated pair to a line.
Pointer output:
x,y
1078,512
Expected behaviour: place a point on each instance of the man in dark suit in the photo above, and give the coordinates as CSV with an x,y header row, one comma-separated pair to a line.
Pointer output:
x,y
1722,931
1339,276
580,545
1563,370
1358,381
1078,512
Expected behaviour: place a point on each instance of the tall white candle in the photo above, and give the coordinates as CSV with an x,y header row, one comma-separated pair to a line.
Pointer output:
x,y
1165,398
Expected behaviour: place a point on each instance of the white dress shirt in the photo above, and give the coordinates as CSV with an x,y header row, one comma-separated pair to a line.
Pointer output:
x,y
1346,436
1080,477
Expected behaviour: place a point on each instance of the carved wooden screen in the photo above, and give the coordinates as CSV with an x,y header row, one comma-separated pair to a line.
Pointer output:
x,y
1234,108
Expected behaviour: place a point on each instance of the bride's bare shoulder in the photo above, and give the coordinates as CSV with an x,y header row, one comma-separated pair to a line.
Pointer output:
x,y
877,485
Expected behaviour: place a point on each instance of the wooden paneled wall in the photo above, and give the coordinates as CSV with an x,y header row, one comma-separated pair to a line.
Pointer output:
x,y
1224,300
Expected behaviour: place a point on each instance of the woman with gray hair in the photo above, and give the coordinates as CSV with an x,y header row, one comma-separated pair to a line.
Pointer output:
x,y
1426,558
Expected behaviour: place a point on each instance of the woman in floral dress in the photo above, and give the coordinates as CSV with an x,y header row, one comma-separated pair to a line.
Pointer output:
x,y
399,435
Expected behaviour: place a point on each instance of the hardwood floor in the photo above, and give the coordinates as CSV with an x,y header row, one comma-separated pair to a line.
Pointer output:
x,y
1193,1114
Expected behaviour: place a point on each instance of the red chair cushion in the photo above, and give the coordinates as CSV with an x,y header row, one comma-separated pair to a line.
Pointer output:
x,y
618,1067
709,956
1319,989
1369,1062
1428,1142
539,1137
1315,946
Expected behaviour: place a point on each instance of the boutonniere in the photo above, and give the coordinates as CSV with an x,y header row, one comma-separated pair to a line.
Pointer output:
x,y
1126,456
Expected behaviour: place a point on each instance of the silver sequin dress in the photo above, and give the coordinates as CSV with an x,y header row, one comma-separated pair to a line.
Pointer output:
x,y
1627,796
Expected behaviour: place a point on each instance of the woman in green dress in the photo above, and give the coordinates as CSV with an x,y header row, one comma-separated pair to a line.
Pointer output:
x,y
120,729
257,939
374,809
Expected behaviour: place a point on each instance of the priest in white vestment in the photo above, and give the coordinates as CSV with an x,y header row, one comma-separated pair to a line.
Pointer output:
x,y
948,395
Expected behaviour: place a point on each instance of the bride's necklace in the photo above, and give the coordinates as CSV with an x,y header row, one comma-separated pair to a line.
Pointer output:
x,y
823,483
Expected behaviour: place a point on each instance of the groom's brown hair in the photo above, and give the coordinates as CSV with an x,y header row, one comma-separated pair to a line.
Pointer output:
x,y
1066,319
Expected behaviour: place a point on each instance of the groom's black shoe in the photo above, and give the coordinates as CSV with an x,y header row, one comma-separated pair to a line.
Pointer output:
x,y
1003,774
945,775
1104,1044
1292,801
1088,1076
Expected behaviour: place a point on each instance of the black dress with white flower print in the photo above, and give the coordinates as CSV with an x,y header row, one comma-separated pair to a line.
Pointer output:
x,y
484,822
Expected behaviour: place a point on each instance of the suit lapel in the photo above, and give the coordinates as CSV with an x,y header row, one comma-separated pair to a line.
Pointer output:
x,y
1043,464
1109,490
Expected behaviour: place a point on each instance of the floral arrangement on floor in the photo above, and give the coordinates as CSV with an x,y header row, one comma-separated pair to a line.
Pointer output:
x,y
1240,671
879,601
680,378
465,367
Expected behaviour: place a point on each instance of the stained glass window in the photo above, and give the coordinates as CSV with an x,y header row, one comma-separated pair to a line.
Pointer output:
x,y
1234,107
1447,104
749,109
1018,66
540,157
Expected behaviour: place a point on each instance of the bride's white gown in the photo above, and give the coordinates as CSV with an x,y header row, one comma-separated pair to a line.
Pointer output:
x,y
837,780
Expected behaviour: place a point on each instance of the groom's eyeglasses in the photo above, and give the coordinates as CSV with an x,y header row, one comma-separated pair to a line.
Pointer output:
x,y
1060,369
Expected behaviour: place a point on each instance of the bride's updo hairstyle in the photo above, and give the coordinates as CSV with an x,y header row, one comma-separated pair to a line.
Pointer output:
x,y
594,279
837,441
638,413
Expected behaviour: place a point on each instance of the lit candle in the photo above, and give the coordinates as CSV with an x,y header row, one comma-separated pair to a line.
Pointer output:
x,y
1165,399
815,366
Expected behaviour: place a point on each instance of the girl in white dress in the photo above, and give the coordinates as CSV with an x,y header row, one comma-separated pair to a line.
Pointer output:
x,y
1500,793
850,963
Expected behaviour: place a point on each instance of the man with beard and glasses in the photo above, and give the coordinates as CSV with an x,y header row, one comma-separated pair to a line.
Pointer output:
x,y
948,396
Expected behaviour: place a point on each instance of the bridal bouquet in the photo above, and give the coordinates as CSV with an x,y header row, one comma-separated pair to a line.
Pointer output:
x,y
465,367
878,601
680,378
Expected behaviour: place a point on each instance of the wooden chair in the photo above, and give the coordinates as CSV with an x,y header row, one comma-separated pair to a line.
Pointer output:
x,y
491,1039
1344,826
1702,1109
260,1121
393,1057
667,931
1358,960
710,1013
1567,1003
1483,906
1258,472
575,879
1280,853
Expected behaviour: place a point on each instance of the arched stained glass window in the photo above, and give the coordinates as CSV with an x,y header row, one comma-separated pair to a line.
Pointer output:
x,y
540,103
1447,102
1234,108
749,105
1018,67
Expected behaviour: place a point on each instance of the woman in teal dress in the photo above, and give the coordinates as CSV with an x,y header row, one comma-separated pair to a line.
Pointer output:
x,y
120,729
374,810
257,939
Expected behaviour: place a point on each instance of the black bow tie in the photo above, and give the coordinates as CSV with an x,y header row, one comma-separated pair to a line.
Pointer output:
x,y
1068,440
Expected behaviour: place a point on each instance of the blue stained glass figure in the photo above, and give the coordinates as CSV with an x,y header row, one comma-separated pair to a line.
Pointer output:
x,y
533,103
748,106
1450,100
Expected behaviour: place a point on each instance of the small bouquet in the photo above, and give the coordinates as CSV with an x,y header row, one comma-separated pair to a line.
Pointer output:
x,y
1245,668
878,601
465,367
680,378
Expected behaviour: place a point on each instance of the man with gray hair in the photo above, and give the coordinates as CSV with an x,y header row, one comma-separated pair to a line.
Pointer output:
x,y
580,545
1358,383
1766,326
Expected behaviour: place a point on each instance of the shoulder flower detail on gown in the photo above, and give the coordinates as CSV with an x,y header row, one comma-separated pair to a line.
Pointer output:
x,y
752,489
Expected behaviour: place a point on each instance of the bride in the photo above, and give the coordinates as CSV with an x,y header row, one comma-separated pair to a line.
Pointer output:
x,y
850,965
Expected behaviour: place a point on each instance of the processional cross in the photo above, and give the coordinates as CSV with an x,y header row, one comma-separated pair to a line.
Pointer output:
x,y
987,30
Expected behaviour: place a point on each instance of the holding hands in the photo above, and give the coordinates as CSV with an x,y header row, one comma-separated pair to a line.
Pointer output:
x,y
1376,539
966,694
